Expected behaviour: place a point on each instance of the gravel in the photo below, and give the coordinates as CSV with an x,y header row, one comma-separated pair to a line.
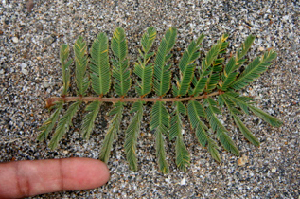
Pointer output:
x,y
30,38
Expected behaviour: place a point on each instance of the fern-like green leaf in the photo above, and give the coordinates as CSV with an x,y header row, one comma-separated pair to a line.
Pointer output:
x,y
162,74
160,150
182,155
88,121
227,142
195,112
160,123
81,60
213,149
245,47
211,79
49,123
187,66
64,55
243,102
216,125
159,117
228,75
243,129
253,70
175,121
214,76
206,70
64,124
246,132
111,132
268,118
132,133
148,38
121,71
142,69
99,66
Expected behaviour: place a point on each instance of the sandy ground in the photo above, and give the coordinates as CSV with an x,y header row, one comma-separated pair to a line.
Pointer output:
x,y
30,72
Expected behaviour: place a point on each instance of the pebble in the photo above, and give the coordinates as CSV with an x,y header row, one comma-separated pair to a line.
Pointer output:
x,y
242,160
23,68
15,40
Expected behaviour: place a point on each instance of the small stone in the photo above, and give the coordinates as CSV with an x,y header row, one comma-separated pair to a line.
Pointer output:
x,y
1,71
182,182
29,5
23,70
261,48
49,40
46,84
242,160
15,40
274,170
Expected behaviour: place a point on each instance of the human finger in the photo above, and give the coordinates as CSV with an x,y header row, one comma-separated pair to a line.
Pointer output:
x,y
31,177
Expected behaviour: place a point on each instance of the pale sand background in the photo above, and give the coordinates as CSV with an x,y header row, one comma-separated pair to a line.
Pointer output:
x,y
30,72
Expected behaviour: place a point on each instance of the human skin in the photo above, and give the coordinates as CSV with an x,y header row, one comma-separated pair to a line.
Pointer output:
x,y
26,178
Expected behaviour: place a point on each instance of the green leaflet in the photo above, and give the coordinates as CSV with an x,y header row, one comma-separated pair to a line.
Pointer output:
x,y
213,150
160,150
243,129
229,75
121,71
159,117
214,76
245,47
99,65
195,113
253,70
160,123
88,121
162,73
81,60
49,123
205,70
142,69
182,156
187,67
64,124
64,55
132,133
216,125
243,102
111,132
268,118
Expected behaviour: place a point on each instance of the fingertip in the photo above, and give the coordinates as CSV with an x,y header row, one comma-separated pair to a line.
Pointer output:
x,y
84,173
103,173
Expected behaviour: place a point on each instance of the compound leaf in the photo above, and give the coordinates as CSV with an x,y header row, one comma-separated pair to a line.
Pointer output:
x,y
162,73
253,70
88,121
132,133
121,71
64,55
64,124
81,60
111,132
49,123
99,66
